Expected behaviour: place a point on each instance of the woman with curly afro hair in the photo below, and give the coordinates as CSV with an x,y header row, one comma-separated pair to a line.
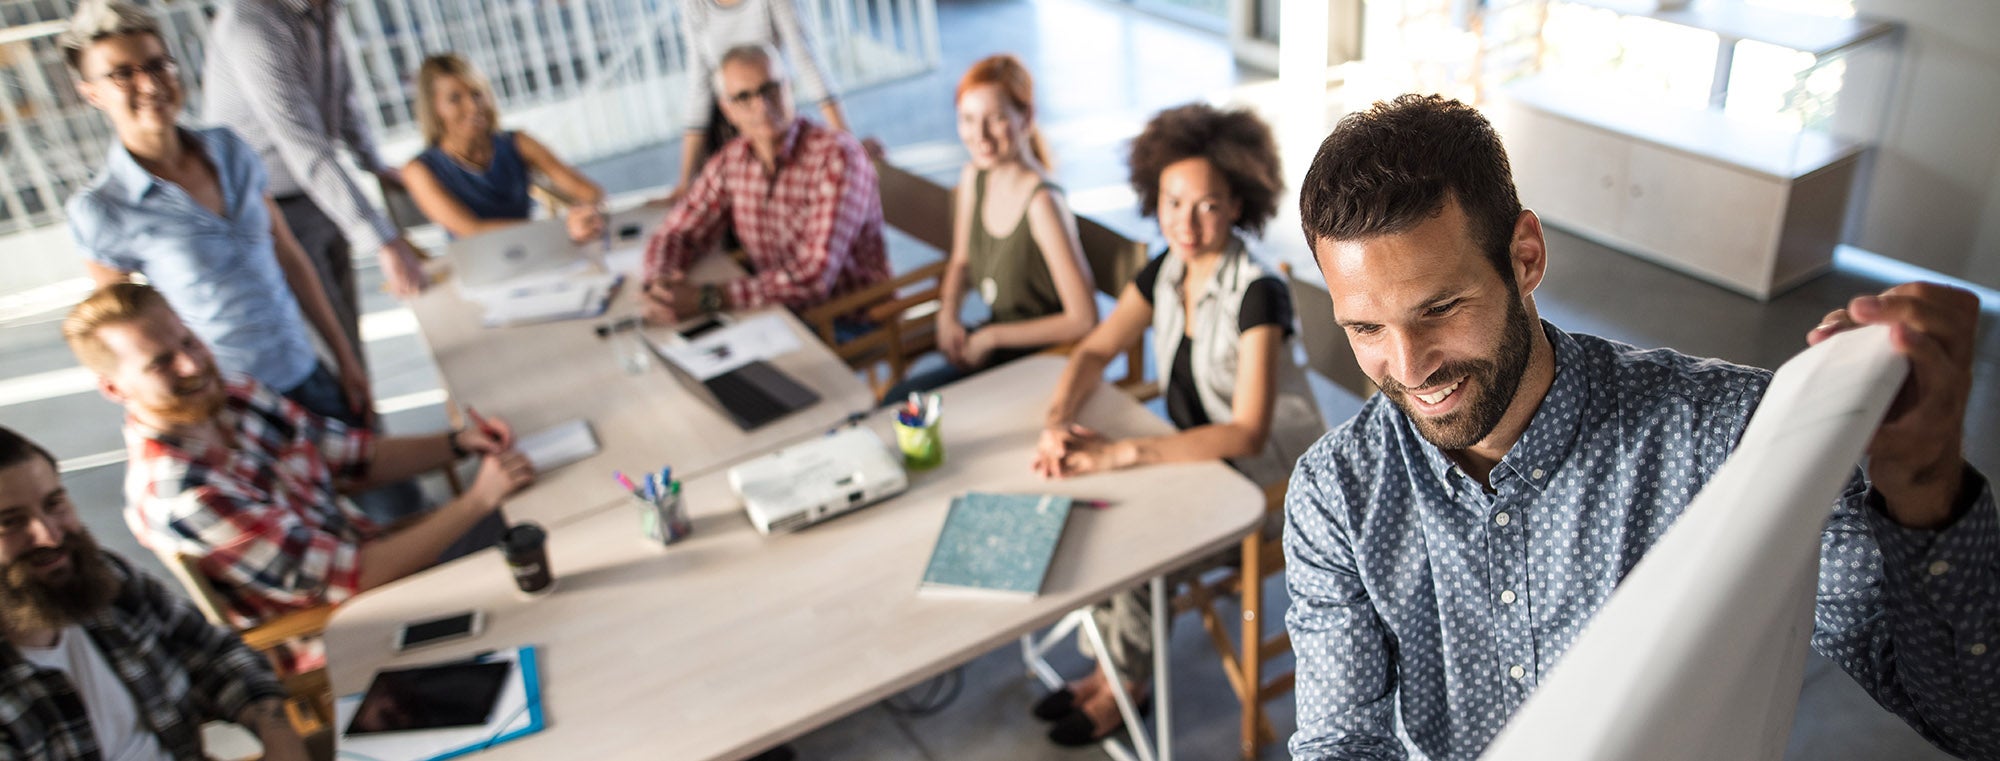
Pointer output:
x,y
1222,328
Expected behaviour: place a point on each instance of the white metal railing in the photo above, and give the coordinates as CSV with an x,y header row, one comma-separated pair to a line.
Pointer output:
x,y
593,78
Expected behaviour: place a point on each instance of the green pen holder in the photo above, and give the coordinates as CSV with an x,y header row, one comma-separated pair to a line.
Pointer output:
x,y
922,446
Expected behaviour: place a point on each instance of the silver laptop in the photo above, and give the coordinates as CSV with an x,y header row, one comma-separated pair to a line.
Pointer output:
x,y
505,254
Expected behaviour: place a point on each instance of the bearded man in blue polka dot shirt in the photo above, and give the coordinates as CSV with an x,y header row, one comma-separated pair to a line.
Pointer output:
x,y
1448,544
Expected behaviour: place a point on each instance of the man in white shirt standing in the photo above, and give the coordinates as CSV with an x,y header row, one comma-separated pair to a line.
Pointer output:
x,y
100,661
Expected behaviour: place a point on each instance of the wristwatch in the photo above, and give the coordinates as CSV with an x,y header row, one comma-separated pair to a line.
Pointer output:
x,y
711,298
458,452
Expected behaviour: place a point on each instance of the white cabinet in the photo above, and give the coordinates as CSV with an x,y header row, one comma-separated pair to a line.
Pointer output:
x,y
1753,213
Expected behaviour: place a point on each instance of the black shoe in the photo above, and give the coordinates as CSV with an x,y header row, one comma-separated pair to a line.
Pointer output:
x,y
1074,729
1054,705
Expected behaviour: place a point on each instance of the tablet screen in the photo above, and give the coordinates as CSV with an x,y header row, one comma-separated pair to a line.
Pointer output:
x,y
430,697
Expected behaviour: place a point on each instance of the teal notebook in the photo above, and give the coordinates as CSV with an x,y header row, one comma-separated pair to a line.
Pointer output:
x,y
996,545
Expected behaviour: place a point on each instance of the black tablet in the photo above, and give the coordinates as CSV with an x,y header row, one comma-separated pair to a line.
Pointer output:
x,y
431,697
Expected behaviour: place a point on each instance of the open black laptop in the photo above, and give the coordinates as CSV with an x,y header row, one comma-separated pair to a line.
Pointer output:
x,y
750,396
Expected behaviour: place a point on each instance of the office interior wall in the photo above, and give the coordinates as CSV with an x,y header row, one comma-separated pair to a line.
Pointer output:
x,y
1934,199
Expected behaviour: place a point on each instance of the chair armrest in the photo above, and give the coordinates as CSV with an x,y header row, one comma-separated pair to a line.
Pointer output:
x,y
290,626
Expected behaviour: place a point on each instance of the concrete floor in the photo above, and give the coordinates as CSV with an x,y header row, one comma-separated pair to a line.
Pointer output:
x,y
1122,67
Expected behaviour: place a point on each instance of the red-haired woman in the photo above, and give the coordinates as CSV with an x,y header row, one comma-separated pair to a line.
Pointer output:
x,y
1013,237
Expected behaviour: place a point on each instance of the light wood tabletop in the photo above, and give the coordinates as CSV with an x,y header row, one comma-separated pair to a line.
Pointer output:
x,y
729,642
536,376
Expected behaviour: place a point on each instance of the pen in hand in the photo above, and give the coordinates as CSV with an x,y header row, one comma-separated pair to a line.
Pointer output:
x,y
487,427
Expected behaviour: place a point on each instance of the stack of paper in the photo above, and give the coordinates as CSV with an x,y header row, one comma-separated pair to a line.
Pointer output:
x,y
545,297
558,445
518,714
764,337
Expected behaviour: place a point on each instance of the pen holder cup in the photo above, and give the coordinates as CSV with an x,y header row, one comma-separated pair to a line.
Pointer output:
x,y
922,445
662,520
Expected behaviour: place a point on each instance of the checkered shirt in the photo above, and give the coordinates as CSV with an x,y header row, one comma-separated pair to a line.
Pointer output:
x,y
180,669
812,230
263,515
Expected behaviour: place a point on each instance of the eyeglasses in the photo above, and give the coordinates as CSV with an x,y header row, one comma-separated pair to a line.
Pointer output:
x,y
768,92
161,69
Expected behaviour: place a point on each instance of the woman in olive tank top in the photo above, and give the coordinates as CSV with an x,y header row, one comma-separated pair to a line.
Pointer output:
x,y
1013,237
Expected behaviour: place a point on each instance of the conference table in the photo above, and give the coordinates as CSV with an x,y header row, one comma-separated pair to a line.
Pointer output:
x,y
540,375
729,642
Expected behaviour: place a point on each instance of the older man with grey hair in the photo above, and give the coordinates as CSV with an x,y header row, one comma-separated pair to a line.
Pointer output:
x,y
800,197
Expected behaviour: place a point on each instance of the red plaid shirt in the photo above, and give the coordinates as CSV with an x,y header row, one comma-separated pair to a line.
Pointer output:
x,y
262,516
812,230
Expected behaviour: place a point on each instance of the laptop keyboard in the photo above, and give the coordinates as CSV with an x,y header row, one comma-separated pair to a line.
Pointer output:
x,y
752,406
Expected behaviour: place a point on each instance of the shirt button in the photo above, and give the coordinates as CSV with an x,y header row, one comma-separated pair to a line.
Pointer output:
x,y
1507,597
1537,475
1517,672
1939,568
1503,519
1978,649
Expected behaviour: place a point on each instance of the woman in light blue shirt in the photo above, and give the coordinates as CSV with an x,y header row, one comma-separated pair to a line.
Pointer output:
x,y
189,210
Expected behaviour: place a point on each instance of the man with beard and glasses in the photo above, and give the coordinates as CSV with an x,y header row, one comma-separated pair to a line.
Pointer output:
x,y
101,661
1445,547
254,486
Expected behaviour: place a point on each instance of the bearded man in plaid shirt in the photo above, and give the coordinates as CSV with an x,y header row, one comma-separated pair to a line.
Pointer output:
x,y
100,660
800,197
254,486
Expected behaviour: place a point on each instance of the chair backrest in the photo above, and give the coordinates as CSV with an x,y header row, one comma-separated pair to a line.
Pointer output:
x,y
1327,350
1114,259
920,208
187,570
402,208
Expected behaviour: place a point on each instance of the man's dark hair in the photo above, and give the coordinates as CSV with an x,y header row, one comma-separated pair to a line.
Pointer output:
x,y
1237,142
1387,169
16,449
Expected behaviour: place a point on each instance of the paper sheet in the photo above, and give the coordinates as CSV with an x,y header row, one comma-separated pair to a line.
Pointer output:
x,y
1700,652
544,297
518,713
733,346
558,445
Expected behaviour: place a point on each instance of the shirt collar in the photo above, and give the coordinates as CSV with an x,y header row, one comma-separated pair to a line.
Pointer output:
x,y
788,145
1551,433
306,7
1231,256
131,178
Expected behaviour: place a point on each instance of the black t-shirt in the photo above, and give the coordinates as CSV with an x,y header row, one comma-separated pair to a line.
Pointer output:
x,y
1265,302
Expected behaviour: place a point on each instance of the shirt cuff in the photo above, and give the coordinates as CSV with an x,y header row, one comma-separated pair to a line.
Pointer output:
x,y
1945,567
744,294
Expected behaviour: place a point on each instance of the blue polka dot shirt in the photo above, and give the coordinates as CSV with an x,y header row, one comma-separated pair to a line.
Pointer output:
x,y
1426,608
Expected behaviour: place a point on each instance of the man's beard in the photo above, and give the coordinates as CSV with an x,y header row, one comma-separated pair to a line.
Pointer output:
x,y
29,601
193,408
1492,383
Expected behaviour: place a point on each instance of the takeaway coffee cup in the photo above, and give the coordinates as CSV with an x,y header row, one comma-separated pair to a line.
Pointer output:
x,y
525,546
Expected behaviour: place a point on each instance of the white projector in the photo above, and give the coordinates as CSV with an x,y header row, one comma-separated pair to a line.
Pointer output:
x,y
801,485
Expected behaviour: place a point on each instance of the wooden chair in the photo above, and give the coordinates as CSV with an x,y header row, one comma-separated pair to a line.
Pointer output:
x,y
309,701
1114,260
1246,649
904,308
1327,350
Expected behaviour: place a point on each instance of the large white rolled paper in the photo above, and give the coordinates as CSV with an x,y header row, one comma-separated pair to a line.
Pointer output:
x,y
1699,654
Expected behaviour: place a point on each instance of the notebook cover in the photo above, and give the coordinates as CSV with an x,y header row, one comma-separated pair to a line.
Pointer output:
x,y
996,544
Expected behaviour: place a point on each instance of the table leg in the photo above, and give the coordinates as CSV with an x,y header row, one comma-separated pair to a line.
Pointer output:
x,y
1163,703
